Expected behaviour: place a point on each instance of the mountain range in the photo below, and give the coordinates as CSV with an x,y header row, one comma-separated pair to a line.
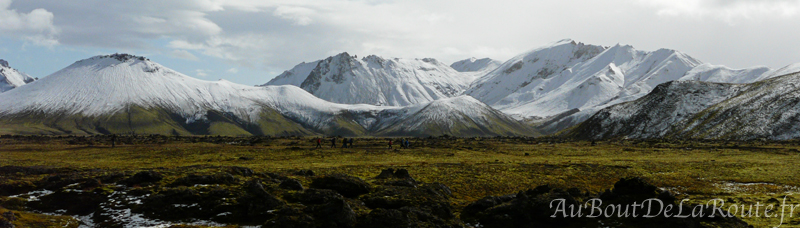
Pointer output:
x,y
122,93
544,90
768,109
561,85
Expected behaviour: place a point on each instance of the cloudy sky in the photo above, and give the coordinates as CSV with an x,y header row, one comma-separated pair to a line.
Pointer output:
x,y
251,41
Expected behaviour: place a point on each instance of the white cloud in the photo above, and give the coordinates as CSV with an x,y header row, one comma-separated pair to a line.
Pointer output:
x,y
299,15
36,26
183,54
274,35
249,50
202,73
233,70
730,11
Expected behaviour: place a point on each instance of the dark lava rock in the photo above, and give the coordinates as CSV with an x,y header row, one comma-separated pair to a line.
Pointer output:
x,y
323,208
314,196
307,173
144,178
634,187
32,170
73,202
348,186
386,173
532,208
290,217
241,171
277,178
255,205
184,203
6,224
334,213
399,177
8,215
220,178
432,199
57,182
384,218
112,178
406,183
485,203
391,173
89,184
404,217
291,184
7,189
403,174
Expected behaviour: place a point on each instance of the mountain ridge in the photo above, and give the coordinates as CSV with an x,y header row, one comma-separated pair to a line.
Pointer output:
x,y
11,78
376,80
106,94
768,109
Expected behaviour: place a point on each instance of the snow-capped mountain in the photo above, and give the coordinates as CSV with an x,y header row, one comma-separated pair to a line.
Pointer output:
x,y
692,109
11,78
462,115
476,65
563,84
130,94
374,80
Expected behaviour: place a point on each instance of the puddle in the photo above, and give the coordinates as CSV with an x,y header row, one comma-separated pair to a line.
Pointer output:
x,y
117,209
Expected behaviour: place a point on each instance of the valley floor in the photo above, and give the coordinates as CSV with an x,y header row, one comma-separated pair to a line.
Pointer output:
x,y
737,172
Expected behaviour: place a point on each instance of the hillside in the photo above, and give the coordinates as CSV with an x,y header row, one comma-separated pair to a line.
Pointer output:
x,y
689,109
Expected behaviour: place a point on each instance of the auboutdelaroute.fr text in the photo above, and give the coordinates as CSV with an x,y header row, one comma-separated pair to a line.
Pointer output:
x,y
654,207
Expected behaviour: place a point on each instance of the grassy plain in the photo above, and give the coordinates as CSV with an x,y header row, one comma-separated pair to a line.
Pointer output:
x,y
737,172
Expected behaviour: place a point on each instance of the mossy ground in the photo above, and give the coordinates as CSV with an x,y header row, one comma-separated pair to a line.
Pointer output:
x,y
473,168
34,220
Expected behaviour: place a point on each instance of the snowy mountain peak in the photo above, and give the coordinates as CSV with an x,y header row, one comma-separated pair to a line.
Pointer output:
x,y
343,55
11,78
564,41
376,80
531,71
134,64
121,57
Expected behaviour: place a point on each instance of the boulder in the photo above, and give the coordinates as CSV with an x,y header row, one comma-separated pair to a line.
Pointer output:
x,y
241,171
291,184
220,178
348,186
144,178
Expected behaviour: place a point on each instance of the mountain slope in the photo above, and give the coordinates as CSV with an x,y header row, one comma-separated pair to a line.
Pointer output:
x,y
476,65
561,85
459,116
129,94
124,94
11,78
691,109
374,80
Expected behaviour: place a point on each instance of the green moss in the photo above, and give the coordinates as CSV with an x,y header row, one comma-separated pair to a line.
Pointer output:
x,y
34,220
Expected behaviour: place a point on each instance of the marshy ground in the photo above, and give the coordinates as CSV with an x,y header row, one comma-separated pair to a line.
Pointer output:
x,y
472,168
